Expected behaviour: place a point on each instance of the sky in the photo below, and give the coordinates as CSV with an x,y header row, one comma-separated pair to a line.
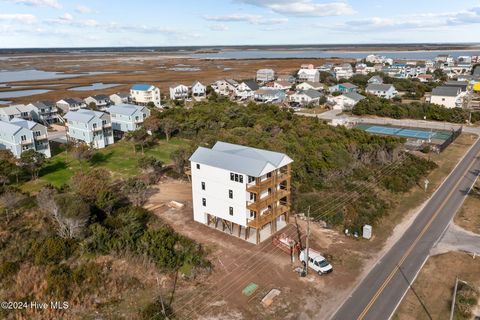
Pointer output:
x,y
99,23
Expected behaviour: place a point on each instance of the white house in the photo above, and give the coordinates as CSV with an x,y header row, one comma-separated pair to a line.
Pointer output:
x,y
246,89
282,85
449,97
101,101
307,97
345,101
241,190
19,135
225,87
45,112
128,117
143,94
178,92
198,89
119,98
8,113
70,104
386,91
310,85
375,80
265,75
91,127
269,95
344,71
311,75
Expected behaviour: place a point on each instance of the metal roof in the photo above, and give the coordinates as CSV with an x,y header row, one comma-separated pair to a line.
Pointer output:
x,y
125,109
23,123
9,128
241,159
83,115
141,87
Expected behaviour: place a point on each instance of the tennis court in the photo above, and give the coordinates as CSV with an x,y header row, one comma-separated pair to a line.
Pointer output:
x,y
406,132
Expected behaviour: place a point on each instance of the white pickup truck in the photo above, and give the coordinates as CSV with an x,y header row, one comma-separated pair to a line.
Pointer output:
x,y
316,261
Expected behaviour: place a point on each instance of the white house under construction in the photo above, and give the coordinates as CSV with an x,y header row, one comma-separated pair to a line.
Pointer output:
x,y
241,190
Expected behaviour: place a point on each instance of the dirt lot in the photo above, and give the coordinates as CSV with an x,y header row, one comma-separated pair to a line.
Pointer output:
x,y
238,263
133,68
434,286
469,216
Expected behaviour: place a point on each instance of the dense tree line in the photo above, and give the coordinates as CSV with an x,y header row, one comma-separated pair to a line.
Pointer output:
x,y
330,163
416,110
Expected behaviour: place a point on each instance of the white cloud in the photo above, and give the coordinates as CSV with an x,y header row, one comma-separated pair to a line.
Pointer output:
x,y
218,27
83,9
22,18
40,3
250,18
422,21
304,8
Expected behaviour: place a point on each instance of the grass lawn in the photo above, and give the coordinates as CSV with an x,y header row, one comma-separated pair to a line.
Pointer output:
x,y
120,159
434,286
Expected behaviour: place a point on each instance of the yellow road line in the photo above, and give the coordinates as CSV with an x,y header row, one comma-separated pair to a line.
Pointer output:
x,y
394,271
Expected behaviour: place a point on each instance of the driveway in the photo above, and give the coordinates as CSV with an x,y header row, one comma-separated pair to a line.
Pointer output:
x,y
456,238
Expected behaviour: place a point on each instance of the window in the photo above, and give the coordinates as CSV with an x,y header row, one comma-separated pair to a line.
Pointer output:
x,y
253,214
230,211
230,194
204,202
203,185
251,179
23,138
198,166
236,177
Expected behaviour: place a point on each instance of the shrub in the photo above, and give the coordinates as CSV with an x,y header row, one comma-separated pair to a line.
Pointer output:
x,y
52,250
8,269
59,282
155,311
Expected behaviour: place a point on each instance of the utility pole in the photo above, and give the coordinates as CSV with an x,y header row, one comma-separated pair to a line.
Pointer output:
x,y
452,308
307,241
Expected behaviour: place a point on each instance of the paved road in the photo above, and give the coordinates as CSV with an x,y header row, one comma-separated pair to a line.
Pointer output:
x,y
457,239
379,293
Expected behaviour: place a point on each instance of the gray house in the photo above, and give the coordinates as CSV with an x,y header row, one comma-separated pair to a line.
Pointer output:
x,y
20,135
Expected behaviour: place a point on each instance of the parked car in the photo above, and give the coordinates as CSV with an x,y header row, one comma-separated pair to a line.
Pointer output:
x,y
316,261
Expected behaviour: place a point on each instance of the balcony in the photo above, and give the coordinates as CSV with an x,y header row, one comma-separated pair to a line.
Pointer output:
x,y
269,199
26,142
41,137
139,121
267,217
261,184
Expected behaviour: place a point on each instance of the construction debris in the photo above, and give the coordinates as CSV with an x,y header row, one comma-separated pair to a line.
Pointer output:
x,y
175,204
268,299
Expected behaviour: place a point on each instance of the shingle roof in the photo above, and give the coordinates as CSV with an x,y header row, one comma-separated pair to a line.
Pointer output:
x,y
375,78
446,91
9,111
71,101
141,87
354,96
125,109
379,87
252,84
246,160
348,85
312,93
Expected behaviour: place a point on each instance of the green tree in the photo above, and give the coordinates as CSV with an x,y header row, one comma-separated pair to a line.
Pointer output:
x,y
8,167
138,137
32,161
168,126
